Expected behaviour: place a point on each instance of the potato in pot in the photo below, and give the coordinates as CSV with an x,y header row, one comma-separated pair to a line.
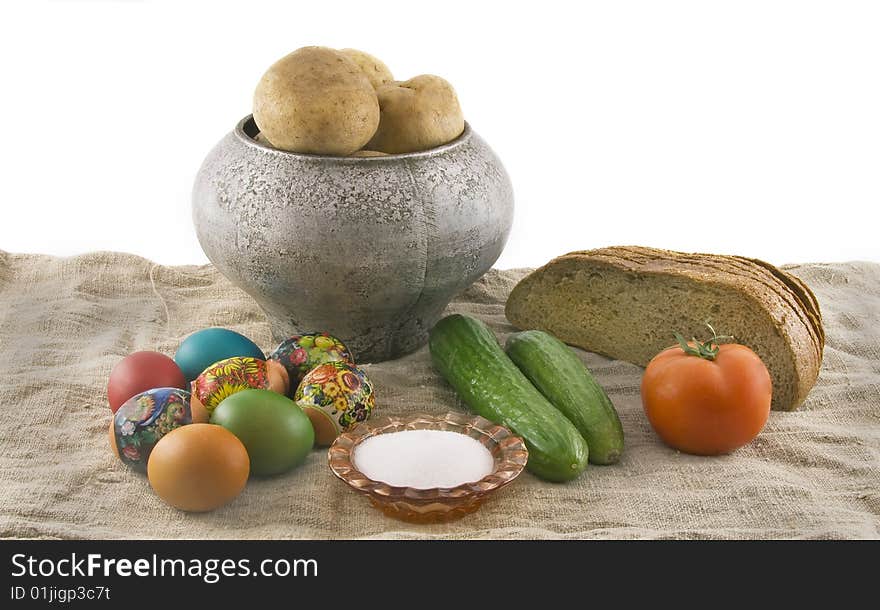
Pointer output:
x,y
373,67
368,153
316,100
417,114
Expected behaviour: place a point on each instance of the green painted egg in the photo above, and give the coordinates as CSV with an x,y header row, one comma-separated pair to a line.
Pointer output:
x,y
276,433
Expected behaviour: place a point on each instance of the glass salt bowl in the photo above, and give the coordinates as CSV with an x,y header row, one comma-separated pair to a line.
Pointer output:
x,y
437,504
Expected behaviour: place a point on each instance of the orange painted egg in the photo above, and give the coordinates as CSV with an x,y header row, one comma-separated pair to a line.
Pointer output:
x,y
198,467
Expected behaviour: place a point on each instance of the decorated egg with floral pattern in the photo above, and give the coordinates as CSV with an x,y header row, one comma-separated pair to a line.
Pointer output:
x,y
336,396
301,353
145,418
232,375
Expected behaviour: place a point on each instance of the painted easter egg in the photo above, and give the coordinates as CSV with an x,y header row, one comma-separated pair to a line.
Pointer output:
x,y
301,353
139,372
205,347
276,433
232,375
144,419
335,396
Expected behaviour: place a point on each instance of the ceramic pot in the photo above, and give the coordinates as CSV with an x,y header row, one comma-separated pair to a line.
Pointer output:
x,y
369,249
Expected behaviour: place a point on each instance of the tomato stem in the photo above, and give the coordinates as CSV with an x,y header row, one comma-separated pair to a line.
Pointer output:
x,y
707,350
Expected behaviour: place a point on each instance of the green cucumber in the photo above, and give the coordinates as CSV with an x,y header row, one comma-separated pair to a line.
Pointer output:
x,y
562,378
468,355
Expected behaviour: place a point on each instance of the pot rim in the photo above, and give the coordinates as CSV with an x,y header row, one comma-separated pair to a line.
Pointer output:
x,y
246,130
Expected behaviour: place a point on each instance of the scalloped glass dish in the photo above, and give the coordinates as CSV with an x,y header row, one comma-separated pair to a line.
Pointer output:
x,y
440,503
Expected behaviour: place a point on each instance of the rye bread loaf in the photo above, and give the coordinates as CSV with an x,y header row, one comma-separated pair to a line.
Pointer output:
x,y
626,302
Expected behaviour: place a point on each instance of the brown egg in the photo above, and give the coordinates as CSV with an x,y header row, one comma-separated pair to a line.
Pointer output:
x,y
113,444
200,414
279,379
198,467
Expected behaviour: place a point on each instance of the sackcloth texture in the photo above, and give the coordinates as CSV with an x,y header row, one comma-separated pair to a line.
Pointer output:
x,y
64,323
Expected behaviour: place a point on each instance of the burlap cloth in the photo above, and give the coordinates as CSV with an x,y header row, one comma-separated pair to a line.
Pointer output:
x,y
65,322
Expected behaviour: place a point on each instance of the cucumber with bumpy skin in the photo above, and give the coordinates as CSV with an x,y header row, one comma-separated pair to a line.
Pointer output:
x,y
468,355
562,378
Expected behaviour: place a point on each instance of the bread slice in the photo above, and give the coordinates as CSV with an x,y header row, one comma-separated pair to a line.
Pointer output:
x,y
626,302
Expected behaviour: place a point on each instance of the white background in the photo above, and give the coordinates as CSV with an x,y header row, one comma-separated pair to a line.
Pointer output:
x,y
732,127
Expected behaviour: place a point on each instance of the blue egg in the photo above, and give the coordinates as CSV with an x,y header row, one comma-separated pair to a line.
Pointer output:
x,y
205,347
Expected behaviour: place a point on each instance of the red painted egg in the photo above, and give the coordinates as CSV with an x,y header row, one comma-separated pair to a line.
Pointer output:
x,y
139,372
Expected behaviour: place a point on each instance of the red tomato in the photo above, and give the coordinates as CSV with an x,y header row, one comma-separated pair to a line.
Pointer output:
x,y
139,372
707,405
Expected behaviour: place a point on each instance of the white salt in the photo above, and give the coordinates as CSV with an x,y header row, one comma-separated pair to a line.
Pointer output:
x,y
423,459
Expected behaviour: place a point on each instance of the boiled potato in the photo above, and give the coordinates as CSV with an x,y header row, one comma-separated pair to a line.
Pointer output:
x,y
316,100
417,114
368,153
376,71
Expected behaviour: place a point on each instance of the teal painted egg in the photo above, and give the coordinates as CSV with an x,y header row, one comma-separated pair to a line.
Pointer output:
x,y
335,396
144,419
205,347
301,353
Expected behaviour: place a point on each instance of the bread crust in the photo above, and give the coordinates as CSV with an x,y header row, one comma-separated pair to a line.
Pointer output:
x,y
791,305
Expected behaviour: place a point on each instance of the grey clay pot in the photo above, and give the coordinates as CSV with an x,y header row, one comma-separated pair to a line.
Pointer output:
x,y
369,249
